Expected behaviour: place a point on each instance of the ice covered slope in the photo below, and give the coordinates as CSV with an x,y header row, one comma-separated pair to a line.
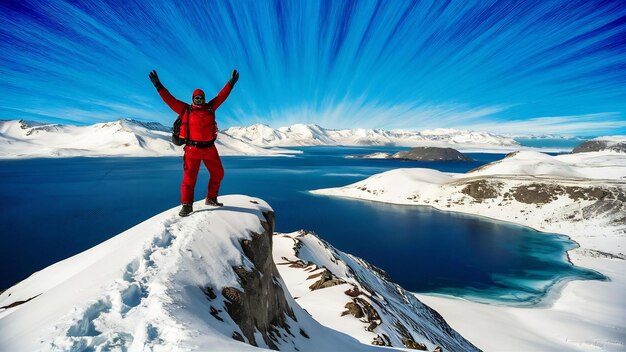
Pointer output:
x,y
358,298
206,282
310,135
117,138
580,195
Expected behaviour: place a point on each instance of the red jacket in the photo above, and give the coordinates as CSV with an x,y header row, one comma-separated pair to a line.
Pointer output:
x,y
202,126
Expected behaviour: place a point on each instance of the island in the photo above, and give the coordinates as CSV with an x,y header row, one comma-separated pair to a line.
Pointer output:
x,y
419,154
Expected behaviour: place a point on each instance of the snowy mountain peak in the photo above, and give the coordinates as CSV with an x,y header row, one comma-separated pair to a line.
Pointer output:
x,y
210,282
311,135
123,137
130,125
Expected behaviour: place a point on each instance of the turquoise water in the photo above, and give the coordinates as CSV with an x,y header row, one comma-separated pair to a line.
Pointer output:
x,y
556,143
54,208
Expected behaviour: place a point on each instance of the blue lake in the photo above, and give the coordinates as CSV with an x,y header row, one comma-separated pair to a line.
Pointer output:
x,y
55,208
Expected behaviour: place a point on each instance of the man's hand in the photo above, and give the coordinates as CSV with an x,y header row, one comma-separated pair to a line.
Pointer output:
x,y
234,78
154,78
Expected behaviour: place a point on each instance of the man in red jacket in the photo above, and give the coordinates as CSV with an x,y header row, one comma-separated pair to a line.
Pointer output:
x,y
199,120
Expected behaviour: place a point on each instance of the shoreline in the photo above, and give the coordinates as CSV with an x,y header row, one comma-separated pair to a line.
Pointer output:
x,y
575,314
558,284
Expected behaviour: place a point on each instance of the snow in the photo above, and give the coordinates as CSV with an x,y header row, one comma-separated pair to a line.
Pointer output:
x,y
126,137
378,155
612,139
142,290
19,139
594,165
312,135
578,315
393,304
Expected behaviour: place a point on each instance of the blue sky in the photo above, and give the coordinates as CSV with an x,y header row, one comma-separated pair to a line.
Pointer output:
x,y
500,66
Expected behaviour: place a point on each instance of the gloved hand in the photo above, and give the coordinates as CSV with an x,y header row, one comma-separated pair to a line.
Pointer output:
x,y
154,78
234,78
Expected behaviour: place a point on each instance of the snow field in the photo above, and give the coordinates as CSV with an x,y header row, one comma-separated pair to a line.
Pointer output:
x,y
579,315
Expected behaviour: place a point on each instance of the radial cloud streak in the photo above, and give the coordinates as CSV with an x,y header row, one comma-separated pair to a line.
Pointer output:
x,y
340,64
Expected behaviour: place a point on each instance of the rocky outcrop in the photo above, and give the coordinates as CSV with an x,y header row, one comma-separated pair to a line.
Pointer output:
x,y
420,154
391,316
593,201
261,305
431,154
600,145
482,189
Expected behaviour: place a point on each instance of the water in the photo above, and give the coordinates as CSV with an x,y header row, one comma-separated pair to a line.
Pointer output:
x,y
556,143
55,208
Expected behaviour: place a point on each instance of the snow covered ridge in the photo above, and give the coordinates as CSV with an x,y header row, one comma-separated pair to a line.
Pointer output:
x,y
580,195
19,139
358,298
311,135
574,194
614,143
209,282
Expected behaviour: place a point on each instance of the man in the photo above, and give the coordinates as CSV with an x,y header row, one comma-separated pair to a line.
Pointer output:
x,y
198,127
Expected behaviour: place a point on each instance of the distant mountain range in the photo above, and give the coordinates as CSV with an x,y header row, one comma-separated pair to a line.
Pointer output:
x,y
126,137
311,135
118,138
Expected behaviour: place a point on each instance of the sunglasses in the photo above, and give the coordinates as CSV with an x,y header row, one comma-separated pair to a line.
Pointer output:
x,y
198,97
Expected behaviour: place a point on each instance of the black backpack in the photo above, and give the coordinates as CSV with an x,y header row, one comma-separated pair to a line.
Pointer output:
x,y
176,139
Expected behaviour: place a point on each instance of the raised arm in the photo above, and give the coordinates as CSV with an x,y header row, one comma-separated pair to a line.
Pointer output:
x,y
223,94
176,105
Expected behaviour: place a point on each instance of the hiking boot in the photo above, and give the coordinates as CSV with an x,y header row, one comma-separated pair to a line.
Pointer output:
x,y
213,202
186,210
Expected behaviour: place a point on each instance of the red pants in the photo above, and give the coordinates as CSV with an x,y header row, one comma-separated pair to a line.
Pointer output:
x,y
191,164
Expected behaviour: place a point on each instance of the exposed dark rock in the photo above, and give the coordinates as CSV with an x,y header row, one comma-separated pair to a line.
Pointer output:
x,y
17,303
353,309
303,333
313,276
420,154
372,315
537,193
215,313
379,341
353,292
394,303
541,193
599,145
407,339
599,254
431,154
261,305
360,308
232,294
237,336
588,193
437,349
387,340
414,345
209,293
293,263
327,279
482,189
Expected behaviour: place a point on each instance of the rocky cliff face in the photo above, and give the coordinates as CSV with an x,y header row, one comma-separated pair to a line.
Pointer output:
x,y
365,302
260,304
600,145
